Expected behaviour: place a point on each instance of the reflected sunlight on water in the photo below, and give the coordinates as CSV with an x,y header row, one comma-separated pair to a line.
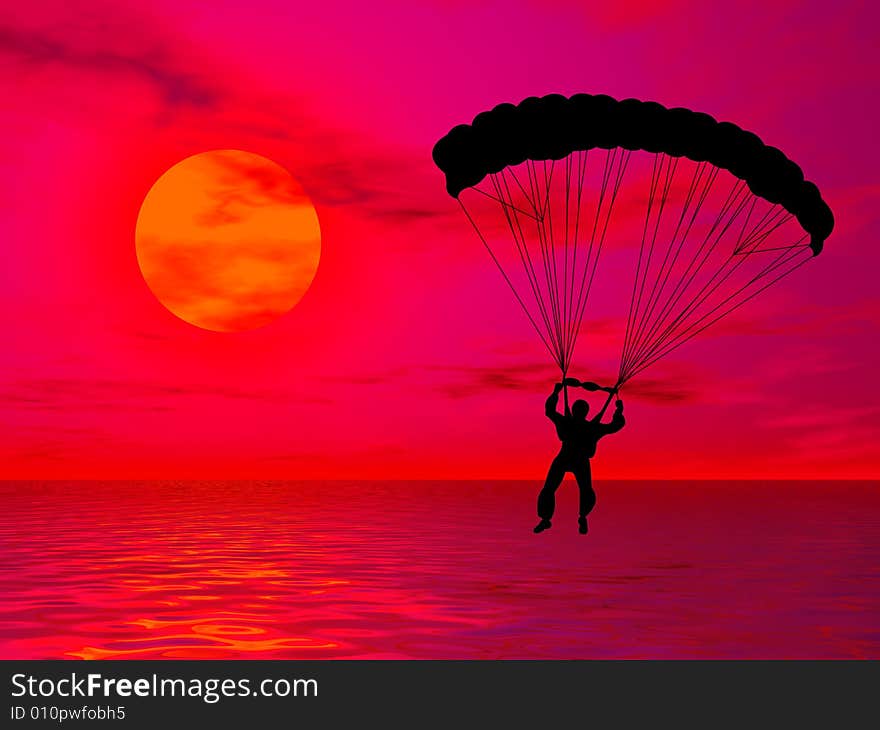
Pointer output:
x,y
100,570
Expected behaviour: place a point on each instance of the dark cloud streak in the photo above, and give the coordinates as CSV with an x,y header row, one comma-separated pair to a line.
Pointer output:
x,y
157,67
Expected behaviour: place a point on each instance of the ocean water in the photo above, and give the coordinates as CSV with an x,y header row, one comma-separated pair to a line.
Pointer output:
x,y
438,570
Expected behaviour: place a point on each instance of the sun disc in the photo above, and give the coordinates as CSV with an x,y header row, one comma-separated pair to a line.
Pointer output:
x,y
228,240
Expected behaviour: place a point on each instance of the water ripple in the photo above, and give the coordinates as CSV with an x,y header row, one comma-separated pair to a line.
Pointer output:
x,y
99,570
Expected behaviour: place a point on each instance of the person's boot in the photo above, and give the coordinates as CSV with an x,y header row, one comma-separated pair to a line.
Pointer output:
x,y
542,525
582,525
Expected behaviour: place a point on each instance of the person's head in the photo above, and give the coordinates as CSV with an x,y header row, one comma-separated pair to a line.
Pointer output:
x,y
580,408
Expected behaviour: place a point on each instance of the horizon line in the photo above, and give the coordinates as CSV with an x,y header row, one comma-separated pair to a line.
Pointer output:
x,y
434,479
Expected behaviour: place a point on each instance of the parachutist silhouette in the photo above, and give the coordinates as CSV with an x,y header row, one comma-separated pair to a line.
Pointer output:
x,y
579,438
770,223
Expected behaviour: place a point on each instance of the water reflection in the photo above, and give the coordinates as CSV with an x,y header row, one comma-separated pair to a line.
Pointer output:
x,y
436,570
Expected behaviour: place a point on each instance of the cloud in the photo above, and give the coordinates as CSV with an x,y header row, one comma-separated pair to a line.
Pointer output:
x,y
457,381
670,390
828,419
383,377
59,444
819,433
780,317
107,42
250,181
387,185
465,381
212,290
473,381
109,54
71,394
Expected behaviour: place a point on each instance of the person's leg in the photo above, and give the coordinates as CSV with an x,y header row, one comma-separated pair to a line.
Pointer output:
x,y
584,478
547,496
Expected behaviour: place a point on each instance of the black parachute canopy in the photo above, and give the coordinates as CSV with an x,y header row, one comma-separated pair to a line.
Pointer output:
x,y
552,127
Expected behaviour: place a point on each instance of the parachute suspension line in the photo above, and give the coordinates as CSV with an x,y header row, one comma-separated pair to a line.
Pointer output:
x,y
507,279
565,308
635,303
675,292
763,230
544,302
693,268
544,230
663,346
790,253
643,346
665,271
522,190
548,250
522,248
582,167
629,316
617,174
669,174
606,176
501,202
704,194
741,236
615,168
708,288
552,267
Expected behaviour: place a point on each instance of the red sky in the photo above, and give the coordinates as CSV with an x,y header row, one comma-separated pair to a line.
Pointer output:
x,y
407,357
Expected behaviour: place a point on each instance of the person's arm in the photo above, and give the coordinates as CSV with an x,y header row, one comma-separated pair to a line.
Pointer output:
x,y
552,402
611,393
617,421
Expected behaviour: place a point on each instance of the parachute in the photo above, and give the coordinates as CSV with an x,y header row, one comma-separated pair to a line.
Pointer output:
x,y
696,217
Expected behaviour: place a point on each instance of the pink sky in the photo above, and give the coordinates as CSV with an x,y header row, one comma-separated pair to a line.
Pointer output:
x,y
407,357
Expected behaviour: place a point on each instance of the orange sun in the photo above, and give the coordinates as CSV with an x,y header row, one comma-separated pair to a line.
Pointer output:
x,y
227,240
